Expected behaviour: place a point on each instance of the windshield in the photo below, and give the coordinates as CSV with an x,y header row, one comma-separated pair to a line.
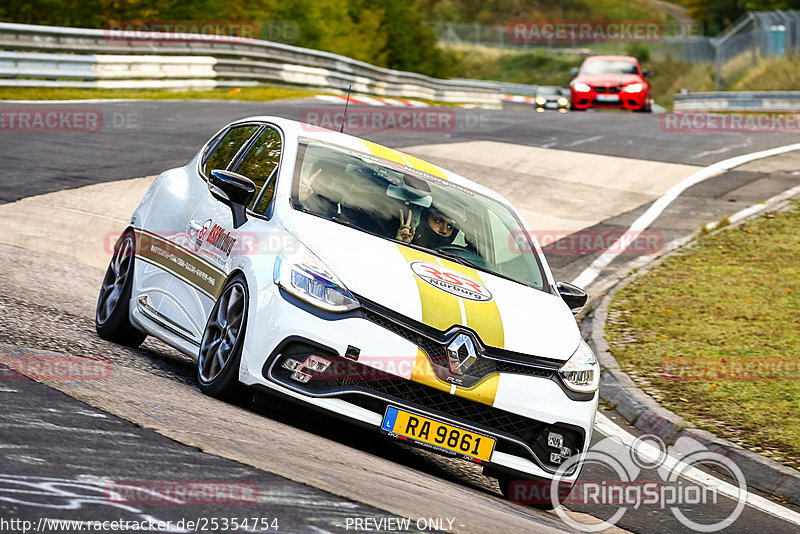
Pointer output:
x,y
402,204
609,67
547,91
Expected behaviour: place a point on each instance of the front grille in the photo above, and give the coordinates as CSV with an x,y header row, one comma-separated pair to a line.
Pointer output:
x,y
434,344
603,89
455,407
356,383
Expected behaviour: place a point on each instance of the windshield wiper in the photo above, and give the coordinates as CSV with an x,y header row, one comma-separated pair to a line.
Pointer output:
x,y
344,222
459,259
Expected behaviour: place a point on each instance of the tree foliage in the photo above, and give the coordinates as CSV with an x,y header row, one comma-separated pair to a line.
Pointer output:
x,y
718,15
389,33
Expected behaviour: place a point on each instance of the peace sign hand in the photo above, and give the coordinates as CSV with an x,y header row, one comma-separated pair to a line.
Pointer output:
x,y
305,185
405,233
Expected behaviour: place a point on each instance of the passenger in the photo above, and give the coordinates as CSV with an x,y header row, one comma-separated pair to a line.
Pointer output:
x,y
316,187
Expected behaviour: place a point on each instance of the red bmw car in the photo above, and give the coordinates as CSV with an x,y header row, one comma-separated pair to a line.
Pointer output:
x,y
610,82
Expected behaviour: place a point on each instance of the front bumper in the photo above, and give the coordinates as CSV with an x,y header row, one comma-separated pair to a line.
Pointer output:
x,y
594,99
375,362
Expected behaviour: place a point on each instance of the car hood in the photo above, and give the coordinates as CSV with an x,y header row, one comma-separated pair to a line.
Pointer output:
x,y
609,79
424,288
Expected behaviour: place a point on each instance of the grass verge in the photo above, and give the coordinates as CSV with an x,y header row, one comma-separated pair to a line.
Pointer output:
x,y
713,333
253,94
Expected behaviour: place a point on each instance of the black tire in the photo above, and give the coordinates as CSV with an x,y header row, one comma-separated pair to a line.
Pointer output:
x,y
112,316
542,491
221,347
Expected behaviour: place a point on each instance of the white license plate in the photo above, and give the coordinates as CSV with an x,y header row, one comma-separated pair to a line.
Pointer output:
x,y
608,98
551,105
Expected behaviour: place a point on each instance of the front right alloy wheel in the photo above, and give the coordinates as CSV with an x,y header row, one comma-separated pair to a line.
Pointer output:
x,y
221,346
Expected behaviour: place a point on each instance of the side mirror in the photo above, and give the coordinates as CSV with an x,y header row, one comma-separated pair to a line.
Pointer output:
x,y
647,73
573,72
574,296
235,190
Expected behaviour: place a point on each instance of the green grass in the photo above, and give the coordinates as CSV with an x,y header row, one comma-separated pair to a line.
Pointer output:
x,y
255,94
770,75
260,93
730,301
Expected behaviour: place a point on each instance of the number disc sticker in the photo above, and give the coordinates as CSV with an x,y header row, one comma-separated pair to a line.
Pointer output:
x,y
450,281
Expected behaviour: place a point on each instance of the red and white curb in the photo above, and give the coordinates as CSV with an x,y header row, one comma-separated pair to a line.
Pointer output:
x,y
519,98
371,101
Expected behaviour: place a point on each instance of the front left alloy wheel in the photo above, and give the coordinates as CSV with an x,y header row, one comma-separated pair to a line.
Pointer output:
x,y
112,317
221,346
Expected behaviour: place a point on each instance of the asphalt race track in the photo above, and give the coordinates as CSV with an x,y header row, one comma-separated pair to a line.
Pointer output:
x,y
60,450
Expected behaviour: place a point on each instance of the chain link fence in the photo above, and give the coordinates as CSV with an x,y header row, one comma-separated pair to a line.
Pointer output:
x,y
758,35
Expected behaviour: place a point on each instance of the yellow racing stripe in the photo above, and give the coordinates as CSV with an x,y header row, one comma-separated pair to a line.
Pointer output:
x,y
384,152
483,317
483,392
424,166
404,159
440,310
423,373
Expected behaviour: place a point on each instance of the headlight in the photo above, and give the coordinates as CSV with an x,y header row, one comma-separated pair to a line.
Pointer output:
x,y
581,373
581,87
541,100
633,88
304,275
563,101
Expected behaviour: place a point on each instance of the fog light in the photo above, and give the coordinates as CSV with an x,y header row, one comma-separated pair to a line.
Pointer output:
x,y
301,377
352,353
292,365
555,440
317,363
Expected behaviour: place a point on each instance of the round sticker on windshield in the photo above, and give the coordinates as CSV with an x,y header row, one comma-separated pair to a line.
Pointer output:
x,y
450,281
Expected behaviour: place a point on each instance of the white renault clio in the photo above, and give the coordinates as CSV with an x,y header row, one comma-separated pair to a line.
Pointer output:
x,y
363,281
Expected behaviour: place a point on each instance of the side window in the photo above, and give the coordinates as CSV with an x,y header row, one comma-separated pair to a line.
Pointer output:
x,y
227,148
259,165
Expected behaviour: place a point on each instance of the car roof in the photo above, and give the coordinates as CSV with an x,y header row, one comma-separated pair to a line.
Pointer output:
x,y
611,58
295,129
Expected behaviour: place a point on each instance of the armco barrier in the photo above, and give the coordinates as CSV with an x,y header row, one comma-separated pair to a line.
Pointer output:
x,y
247,60
743,101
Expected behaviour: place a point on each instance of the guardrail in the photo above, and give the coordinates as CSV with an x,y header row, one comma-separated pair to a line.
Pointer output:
x,y
743,101
79,55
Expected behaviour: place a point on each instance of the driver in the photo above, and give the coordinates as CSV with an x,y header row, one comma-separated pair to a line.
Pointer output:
x,y
435,230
